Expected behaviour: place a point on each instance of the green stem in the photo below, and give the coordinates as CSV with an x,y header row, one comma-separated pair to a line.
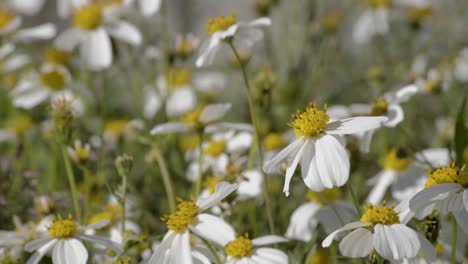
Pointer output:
x,y
123,204
71,182
257,140
212,250
166,177
454,240
353,196
199,181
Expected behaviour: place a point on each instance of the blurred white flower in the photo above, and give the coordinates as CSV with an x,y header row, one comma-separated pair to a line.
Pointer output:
x,y
373,21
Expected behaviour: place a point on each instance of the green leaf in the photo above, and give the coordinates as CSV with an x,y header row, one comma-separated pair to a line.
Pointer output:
x,y
460,140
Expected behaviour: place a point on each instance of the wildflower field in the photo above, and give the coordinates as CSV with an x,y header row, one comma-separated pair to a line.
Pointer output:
x,y
233,131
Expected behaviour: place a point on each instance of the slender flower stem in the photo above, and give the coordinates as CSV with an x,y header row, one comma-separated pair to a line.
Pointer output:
x,y
257,140
212,250
166,177
123,204
71,182
200,165
454,240
353,196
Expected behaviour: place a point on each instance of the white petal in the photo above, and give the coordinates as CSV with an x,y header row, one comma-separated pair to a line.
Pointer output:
x,y
69,251
149,7
126,32
462,219
199,258
29,97
152,102
453,203
69,39
436,156
336,215
213,229
160,254
171,127
355,125
465,199
42,32
284,154
96,50
332,161
180,250
312,179
268,256
292,167
223,189
405,93
385,179
329,239
181,101
268,240
104,242
37,256
252,186
37,243
64,8
357,244
395,116
302,223
15,62
365,141
428,197
404,212
224,126
214,112
427,249
208,50
396,242
30,7
261,22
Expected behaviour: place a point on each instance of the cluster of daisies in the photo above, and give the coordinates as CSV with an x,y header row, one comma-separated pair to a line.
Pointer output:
x,y
90,199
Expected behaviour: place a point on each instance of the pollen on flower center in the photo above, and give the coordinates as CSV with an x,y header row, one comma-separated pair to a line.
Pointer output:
x,y
310,123
397,159
88,17
6,17
273,141
180,219
379,108
382,214
378,3
325,197
192,117
220,23
449,174
240,247
54,80
215,148
56,56
63,228
176,78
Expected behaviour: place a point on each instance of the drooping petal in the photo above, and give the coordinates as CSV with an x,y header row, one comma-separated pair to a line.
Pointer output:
x,y
268,240
365,140
332,161
395,115
396,242
36,244
292,167
284,154
96,50
453,203
427,249
208,50
160,254
42,32
385,179
404,94
41,251
357,244
312,179
28,96
223,189
355,125
125,32
70,251
213,229
329,239
428,197
180,250
171,127
214,112
302,222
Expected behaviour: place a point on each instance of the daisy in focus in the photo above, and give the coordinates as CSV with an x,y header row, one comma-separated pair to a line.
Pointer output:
x,y
320,149
92,26
189,217
64,239
380,229
226,28
322,209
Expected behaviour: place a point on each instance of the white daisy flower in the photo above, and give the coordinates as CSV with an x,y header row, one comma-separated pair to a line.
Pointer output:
x,y
322,209
64,240
10,61
446,190
20,236
460,69
380,229
226,28
92,24
189,217
403,173
373,21
79,153
241,249
53,81
206,118
319,148
31,7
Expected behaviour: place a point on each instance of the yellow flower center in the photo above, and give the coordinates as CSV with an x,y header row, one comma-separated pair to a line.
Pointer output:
x,y
188,143
115,128
63,228
82,154
88,17
397,159
176,78
321,255
417,14
215,148
379,108
180,219
378,3
184,47
273,141
240,247
325,197
432,86
20,124
54,80
449,174
380,215
192,118
439,249
211,182
56,56
220,23
310,123
6,17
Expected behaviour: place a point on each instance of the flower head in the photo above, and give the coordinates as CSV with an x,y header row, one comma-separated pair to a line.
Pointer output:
x,y
311,122
383,214
88,17
220,23
63,228
180,219
448,174
240,247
